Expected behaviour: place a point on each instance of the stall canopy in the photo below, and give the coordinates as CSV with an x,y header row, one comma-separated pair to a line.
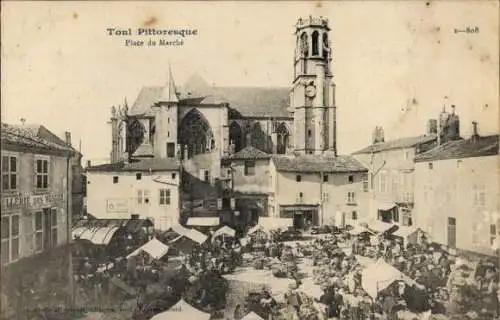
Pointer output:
x,y
357,229
385,205
376,225
224,231
255,229
275,223
155,248
191,234
408,233
252,316
379,276
96,235
180,311
203,221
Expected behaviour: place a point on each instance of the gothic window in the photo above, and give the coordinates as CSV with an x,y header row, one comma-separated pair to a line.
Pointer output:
x,y
195,134
258,138
236,136
304,47
135,134
315,43
325,45
283,136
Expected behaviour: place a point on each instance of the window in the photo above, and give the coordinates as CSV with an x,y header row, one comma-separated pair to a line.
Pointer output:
x,y
459,162
10,238
325,196
174,176
493,233
365,183
350,179
206,176
479,195
115,179
431,166
354,215
170,149
407,220
42,174
309,133
9,173
168,134
383,181
298,178
38,231
300,198
325,178
315,43
142,196
249,168
351,197
138,176
164,197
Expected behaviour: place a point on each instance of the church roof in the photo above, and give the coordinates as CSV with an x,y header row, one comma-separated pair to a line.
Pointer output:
x,y
151,164
315,163
246,101
407,142
250,153
465,148
169,91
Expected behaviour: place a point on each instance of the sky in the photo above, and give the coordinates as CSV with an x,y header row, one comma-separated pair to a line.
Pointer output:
x,y
393,62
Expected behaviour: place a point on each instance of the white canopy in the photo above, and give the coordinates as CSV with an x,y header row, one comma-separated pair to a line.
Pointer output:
x,y
225,230
252,316
405,231
155,248
203,221
180,311
377,225
192,234
275,223
385,205
255,229
380,275
357,229
100,236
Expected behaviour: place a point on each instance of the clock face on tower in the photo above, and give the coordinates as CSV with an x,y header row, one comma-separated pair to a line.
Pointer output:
x,y
311,90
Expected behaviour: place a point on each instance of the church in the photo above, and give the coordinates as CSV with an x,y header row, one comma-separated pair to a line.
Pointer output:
x,y
204,132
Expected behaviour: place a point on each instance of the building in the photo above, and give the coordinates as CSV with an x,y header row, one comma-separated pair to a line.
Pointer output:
x,y
392,169
37,194
318,190
148,188
457,193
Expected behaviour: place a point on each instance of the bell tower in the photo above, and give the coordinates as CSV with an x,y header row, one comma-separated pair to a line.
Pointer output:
x,y
312,96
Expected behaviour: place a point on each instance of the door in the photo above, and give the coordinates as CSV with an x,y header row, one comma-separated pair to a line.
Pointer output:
x,y
170,150
452,232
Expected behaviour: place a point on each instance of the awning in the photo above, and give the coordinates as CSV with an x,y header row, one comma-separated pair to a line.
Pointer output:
x,y
380,275
155,248
385,205
226,231
275,223
252,316
191,234
99,236
357,229
376,225
180,311
203,221
405,231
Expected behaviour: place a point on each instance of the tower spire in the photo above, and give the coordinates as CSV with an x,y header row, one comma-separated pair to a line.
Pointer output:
x,y
169,92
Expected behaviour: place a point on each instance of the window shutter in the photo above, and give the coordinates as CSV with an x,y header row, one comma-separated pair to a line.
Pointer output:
x,y
202,175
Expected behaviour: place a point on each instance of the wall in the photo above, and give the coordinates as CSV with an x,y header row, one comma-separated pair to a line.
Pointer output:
x,y
106,199
466,189
331,194
26,200
260,182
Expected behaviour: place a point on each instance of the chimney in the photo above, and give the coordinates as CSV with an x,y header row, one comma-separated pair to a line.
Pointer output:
x,y
134,217
475,134
452,109
432,127
67,136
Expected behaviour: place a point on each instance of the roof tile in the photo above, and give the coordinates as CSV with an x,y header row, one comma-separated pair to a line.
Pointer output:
x,y
153,164
314,163
401,143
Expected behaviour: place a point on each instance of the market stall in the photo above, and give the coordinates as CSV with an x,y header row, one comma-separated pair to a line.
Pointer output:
x,y
182,310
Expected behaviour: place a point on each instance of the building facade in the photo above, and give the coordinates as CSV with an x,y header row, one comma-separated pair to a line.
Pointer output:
x,y
148,188
457,193
36,210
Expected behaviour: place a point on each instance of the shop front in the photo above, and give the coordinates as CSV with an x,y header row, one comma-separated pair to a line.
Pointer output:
x,y
304,216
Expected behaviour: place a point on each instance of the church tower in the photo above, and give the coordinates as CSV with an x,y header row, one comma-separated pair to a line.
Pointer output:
x,y
312,95
166,120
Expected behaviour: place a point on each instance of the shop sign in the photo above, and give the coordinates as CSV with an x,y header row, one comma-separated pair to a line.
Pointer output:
x,y
117,205
31,201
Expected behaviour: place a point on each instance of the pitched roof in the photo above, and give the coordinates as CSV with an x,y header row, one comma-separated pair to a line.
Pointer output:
x,y
169,91
467,148
250,152
245,101
153,164
401,143
33,136
314,163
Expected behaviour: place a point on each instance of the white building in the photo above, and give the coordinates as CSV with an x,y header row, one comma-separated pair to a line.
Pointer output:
x,y
148,188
